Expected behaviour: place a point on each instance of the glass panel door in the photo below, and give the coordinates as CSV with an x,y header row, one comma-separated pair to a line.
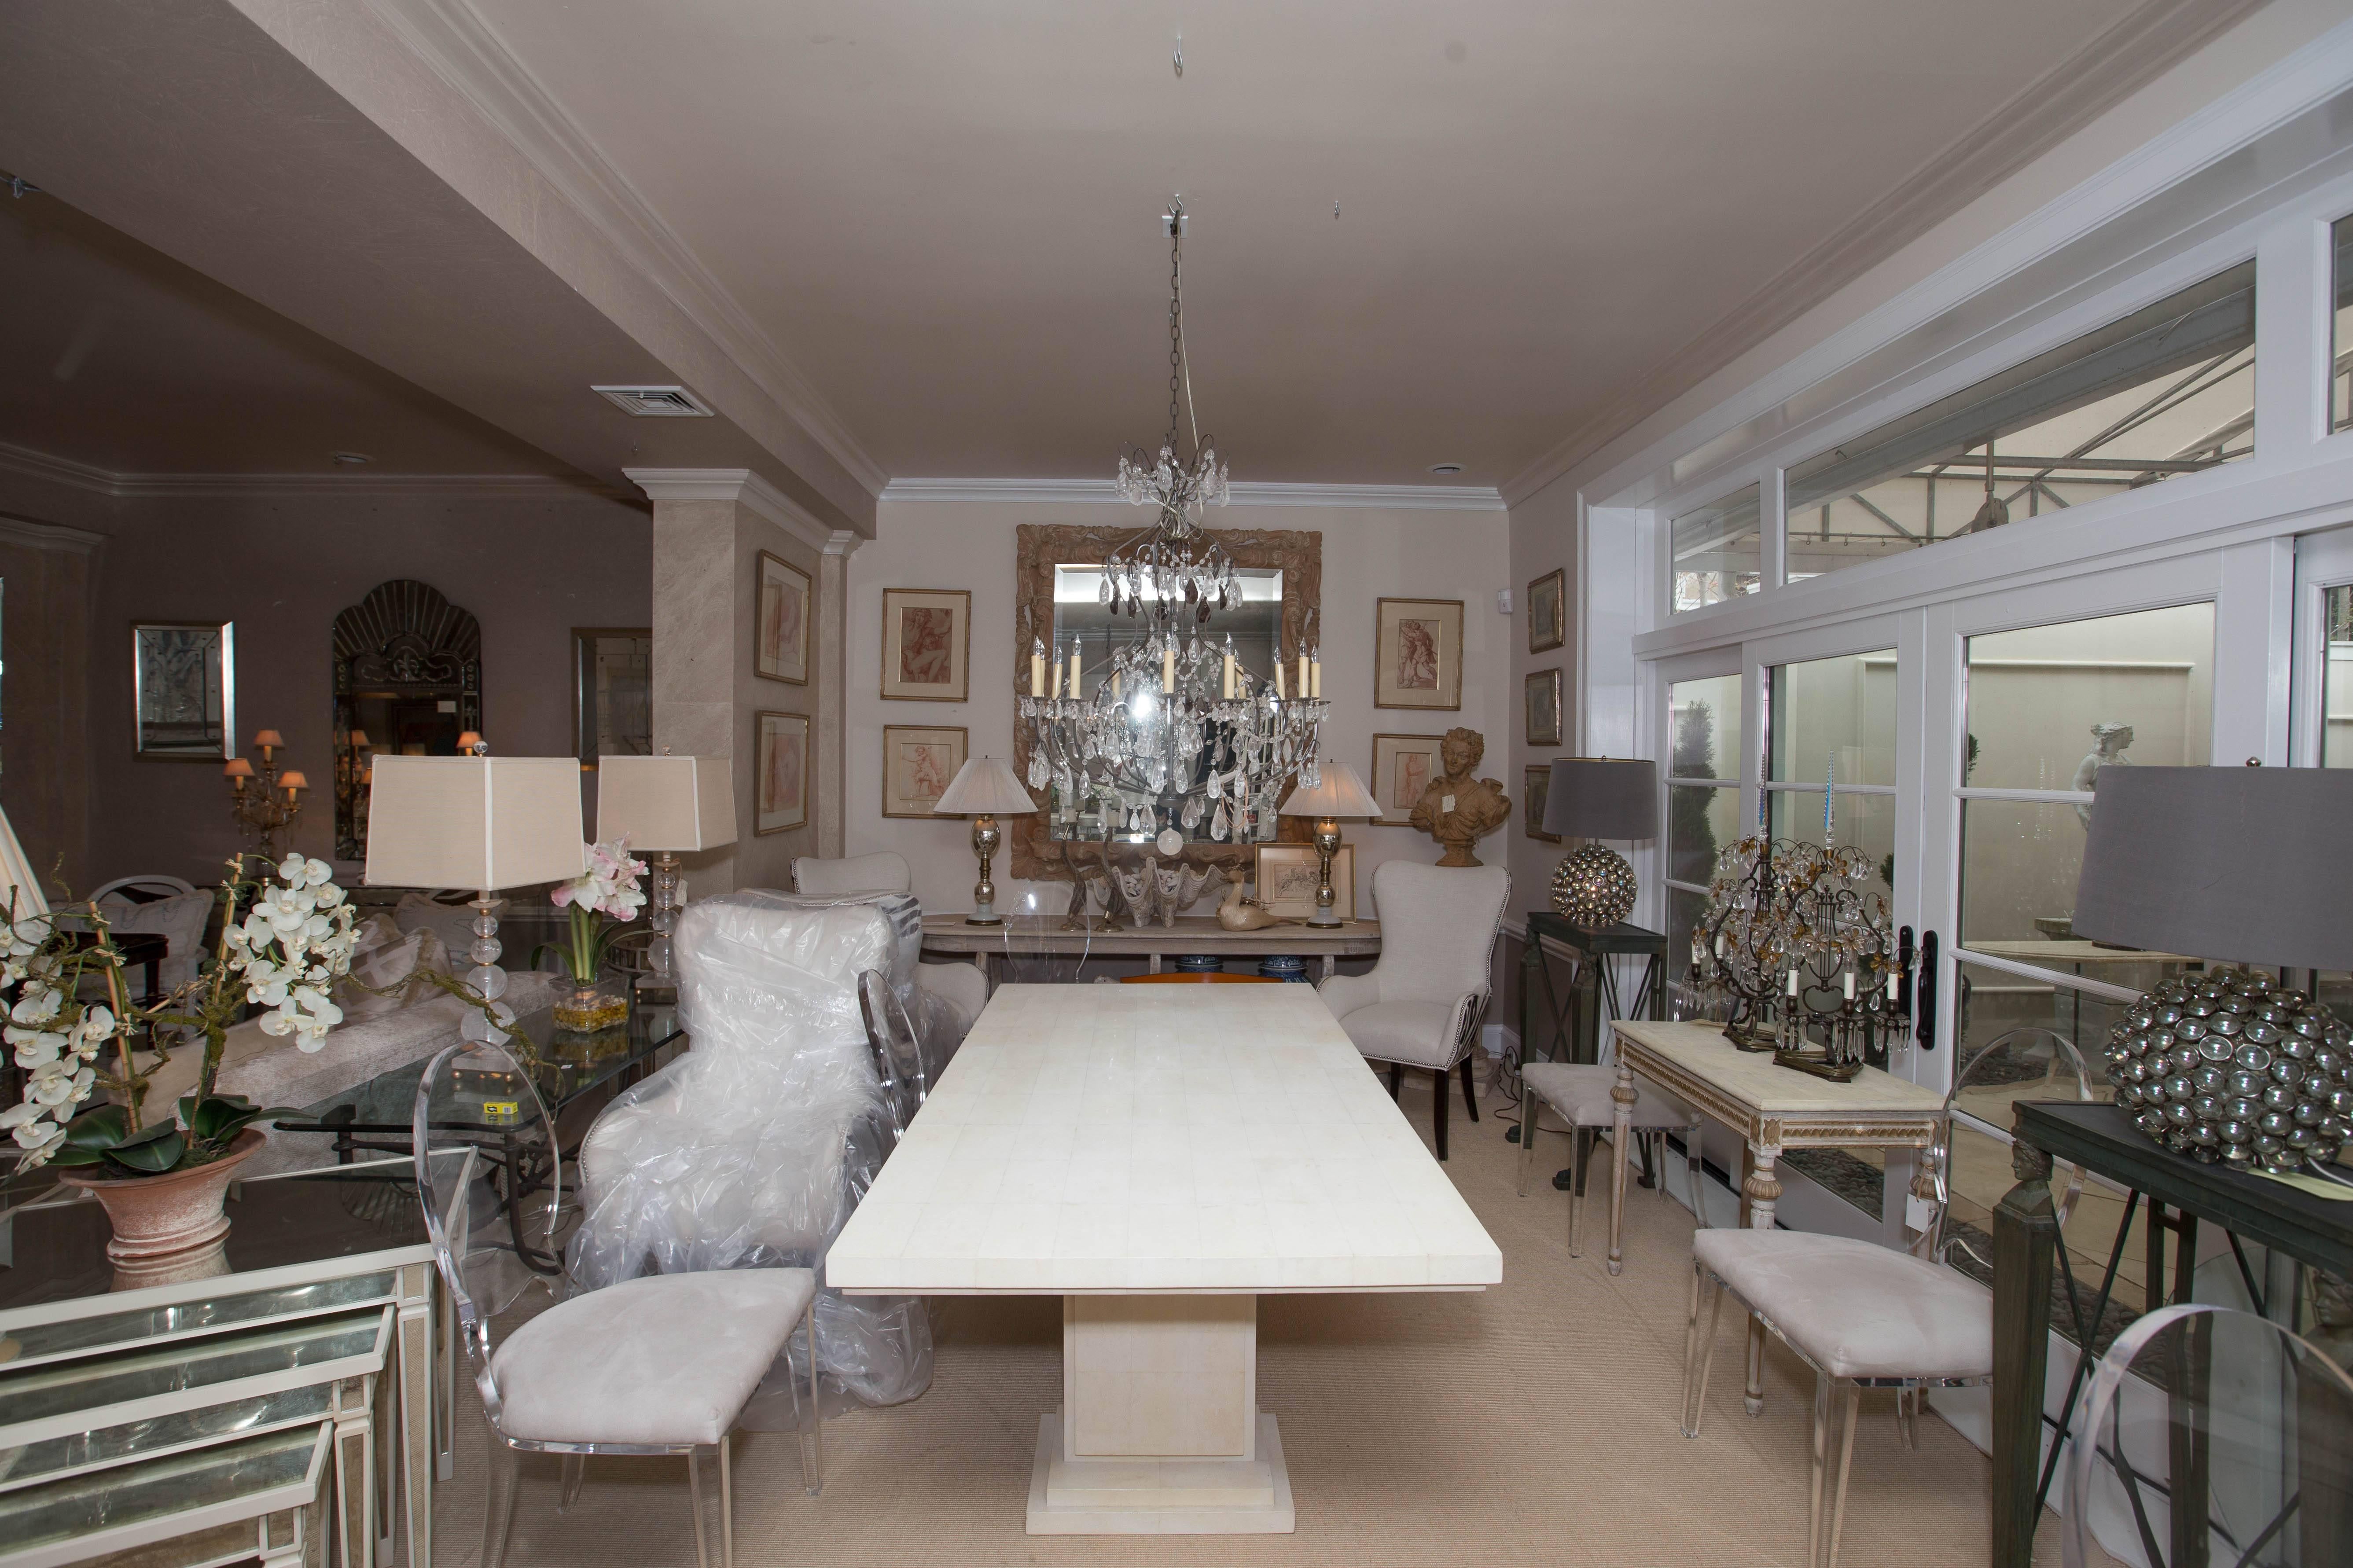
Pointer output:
x,y
2321,728
1832,776
1704,736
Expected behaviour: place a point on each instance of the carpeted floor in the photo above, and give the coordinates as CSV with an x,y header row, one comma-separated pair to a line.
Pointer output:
x,y
1533,1422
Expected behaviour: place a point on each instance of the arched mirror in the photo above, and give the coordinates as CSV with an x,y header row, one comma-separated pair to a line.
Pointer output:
x,y
408,680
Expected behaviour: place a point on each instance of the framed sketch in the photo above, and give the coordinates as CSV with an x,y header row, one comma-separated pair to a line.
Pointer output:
x,y
612,680
1287,876
1403,766
1548,612
1532,802
780,623
1540,695
918,766
184,690
1419,649
926,644
780,768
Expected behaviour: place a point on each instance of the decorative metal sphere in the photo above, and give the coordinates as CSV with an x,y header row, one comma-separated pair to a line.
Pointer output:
x,y
2222,1066
1593,888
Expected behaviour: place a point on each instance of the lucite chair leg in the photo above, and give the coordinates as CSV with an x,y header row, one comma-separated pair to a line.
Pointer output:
x,y
1693,1174
694,1495
1845,1464
1690,1350
1817,1454
1576,1213
575,1469
1528,1136
726,1502
497,1503
813,1450
1707,1352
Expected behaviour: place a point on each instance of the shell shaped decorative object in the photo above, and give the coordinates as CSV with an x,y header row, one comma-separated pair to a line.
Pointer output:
x,y
1593,888
2225,1067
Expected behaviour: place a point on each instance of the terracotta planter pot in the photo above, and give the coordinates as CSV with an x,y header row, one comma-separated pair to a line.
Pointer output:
x,y
169,1227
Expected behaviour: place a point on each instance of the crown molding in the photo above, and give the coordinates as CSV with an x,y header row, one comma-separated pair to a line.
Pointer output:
x,y
2128,55
28,534
461,46
29,464
747,489
1103,493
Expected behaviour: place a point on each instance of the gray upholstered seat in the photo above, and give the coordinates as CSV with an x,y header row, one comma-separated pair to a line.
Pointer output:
x,y
1856,1309
1421,1004
1579,1093
667,1360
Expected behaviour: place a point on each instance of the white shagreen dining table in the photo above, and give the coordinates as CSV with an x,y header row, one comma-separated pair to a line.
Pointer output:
x,y
1159,1156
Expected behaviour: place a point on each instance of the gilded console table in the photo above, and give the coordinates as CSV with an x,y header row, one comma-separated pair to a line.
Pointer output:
x,y
1042,936
1773,1109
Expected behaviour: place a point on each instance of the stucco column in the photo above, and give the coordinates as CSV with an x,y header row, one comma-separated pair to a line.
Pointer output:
x,y
711,526
832,675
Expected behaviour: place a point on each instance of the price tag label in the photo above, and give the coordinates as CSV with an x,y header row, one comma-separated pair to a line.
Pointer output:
x,y
1917,1212
1446,803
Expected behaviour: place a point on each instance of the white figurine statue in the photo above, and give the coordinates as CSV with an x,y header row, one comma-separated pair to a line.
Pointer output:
x,y
2108,743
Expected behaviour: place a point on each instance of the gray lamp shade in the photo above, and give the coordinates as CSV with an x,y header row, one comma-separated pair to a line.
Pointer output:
x,y
2247,863
1603,797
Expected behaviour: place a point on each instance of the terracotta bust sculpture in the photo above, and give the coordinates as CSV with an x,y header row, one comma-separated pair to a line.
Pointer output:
x,y
1459,810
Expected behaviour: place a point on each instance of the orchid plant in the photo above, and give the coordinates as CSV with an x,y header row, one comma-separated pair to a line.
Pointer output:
x,y
285,955
601,900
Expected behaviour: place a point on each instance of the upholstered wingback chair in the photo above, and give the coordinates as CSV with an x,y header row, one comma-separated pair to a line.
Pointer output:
x,y
961,985
1421,1004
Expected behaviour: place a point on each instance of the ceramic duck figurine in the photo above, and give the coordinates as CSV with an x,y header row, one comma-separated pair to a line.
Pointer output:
x,y
1237,913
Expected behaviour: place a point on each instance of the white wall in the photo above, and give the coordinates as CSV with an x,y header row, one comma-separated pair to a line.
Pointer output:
x,y
1369,552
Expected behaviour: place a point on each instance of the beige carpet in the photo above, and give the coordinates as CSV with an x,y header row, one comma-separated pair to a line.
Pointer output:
x,y
1533,1422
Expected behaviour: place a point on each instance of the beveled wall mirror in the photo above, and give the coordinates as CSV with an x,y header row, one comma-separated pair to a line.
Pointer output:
x,y
408,680
1059,601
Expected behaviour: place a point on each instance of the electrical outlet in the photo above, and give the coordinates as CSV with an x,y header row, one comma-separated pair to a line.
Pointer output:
x,y
1503,601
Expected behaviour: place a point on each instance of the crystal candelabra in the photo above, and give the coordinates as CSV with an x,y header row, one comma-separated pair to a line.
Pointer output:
x,y
1167,715
1799,954
263,801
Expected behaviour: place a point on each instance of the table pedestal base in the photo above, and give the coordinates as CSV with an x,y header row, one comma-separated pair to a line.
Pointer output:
x,y
1159,1496
1160,1432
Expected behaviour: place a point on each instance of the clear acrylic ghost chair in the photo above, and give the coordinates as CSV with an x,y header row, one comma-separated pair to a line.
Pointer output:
x,y
1866,1316
659,1364
897,1054
2211,1436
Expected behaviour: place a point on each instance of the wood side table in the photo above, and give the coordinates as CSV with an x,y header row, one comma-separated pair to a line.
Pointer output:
x,y
1773,1109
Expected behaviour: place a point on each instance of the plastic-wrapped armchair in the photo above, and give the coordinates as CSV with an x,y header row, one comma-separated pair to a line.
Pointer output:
x,y
961,985
1421,1004
752,1150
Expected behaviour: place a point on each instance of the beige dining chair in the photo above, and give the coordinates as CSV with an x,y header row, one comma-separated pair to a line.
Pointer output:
x,y
1421,1004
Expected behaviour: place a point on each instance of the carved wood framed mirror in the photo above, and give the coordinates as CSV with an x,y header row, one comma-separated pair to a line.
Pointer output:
x,y
1057,580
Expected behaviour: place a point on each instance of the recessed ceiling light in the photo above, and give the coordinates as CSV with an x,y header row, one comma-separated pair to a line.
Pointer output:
x,y
1445,468
654,402
353,458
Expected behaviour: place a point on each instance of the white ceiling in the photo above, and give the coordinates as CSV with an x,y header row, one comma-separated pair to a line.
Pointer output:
x,y
945,216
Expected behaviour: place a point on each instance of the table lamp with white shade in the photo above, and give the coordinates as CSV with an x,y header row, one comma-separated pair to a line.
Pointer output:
x,y
668,804
985,789
1338,793
480,822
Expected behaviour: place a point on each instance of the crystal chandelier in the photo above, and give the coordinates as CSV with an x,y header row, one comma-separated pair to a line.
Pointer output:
x,y
1176,735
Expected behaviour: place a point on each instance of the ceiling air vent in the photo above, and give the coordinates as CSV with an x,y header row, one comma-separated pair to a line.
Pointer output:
x,y
654,402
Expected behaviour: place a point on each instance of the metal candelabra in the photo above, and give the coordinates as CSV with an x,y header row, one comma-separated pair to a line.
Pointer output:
x,y
263,801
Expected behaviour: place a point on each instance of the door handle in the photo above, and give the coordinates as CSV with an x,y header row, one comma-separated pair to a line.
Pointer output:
x,y
1924,1023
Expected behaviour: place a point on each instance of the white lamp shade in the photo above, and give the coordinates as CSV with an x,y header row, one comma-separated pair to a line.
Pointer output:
x,y
474,822
666,803
985,787
1339,792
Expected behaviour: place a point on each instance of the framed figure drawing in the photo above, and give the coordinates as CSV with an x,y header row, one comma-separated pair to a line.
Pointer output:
x,y
1532,802
926,644
780,772
1287,876
780,648
184,690
1419,646
1403,766
917,765
1541,695
1548,612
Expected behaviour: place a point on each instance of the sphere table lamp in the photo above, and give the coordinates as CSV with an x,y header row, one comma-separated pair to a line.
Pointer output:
x,y
1338,793
1594,888
984,789
668,804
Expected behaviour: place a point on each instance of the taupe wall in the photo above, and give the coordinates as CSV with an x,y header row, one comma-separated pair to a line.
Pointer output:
x,y
531,567
46,609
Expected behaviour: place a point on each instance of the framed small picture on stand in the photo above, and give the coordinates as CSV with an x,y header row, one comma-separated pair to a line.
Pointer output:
x,y
1540,694
1538,788
780,772
1289,874
917,765
926,644
1548,612
1403,766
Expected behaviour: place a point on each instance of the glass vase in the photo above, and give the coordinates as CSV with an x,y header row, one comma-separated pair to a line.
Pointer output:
x,y
589,1007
